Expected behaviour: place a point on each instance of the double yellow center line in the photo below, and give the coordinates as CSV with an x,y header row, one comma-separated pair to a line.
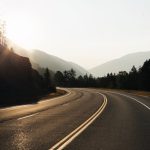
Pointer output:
x,y
69,138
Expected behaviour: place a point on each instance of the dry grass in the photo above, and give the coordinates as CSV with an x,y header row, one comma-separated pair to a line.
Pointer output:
x,y
53,95
140,93
135,92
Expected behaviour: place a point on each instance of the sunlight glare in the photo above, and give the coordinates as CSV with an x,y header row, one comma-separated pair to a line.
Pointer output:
x,y
20,30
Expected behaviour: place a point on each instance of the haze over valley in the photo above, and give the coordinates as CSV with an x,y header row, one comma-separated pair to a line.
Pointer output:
x,y
40,58
88,33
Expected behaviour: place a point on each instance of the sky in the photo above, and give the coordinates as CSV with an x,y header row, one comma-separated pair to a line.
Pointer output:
x,y
87,32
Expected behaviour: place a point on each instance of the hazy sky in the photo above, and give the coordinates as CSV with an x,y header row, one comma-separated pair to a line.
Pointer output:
x,y
88,32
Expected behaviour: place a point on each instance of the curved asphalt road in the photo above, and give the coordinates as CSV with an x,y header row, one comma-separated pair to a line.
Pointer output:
x,y
123,125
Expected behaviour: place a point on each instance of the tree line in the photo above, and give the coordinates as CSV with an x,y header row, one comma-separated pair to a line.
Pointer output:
x,y
20,83
135,79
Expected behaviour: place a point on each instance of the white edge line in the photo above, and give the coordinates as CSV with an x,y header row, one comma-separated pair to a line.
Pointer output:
x,y
69,138
69,93
14,107
130,98
43,102
27,116
135,100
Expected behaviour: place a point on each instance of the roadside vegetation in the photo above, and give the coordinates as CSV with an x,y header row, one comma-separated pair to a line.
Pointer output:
x,y
136,79
20,83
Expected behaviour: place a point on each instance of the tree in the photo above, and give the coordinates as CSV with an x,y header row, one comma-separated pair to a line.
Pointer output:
x,y
144,74
122,78
47,79
91,81
80,81
69,77
133,79
59,78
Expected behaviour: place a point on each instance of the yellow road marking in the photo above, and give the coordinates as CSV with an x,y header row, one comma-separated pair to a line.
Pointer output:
x,y
69,138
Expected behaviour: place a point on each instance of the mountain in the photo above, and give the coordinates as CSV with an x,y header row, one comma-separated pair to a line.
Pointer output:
x,y
17,49
18,80
41,59
80,69
124,63
55,63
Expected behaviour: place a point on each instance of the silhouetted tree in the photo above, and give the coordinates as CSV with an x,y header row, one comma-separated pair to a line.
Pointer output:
x,y
135,79
80,81
69,77
47,79
144,76
59,78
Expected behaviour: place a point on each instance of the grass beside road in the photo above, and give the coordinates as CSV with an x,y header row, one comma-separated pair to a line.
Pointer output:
x,y
139,93
134,92
58,92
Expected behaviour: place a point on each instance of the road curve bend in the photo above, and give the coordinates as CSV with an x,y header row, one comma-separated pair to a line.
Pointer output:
x,y
124,125
61,123
42,125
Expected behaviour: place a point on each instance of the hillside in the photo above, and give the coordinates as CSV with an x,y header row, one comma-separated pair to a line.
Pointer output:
x,y
80,69
17,49
18,80
15,70
54,63
124,63
41,59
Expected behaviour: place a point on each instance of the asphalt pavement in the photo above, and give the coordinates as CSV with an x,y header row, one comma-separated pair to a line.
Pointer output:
x,y
123,124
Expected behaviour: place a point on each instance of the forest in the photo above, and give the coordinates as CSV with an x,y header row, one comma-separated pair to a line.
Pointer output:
x,y
136,79
20,83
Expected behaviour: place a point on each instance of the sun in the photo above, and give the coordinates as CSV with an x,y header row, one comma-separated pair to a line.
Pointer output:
x,y
20,30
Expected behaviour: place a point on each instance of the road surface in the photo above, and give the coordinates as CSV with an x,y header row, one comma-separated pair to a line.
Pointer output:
x,y
84,119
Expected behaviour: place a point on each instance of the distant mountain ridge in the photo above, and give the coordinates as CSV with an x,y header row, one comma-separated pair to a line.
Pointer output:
x,y
55,63
42,59
124,63
39,59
